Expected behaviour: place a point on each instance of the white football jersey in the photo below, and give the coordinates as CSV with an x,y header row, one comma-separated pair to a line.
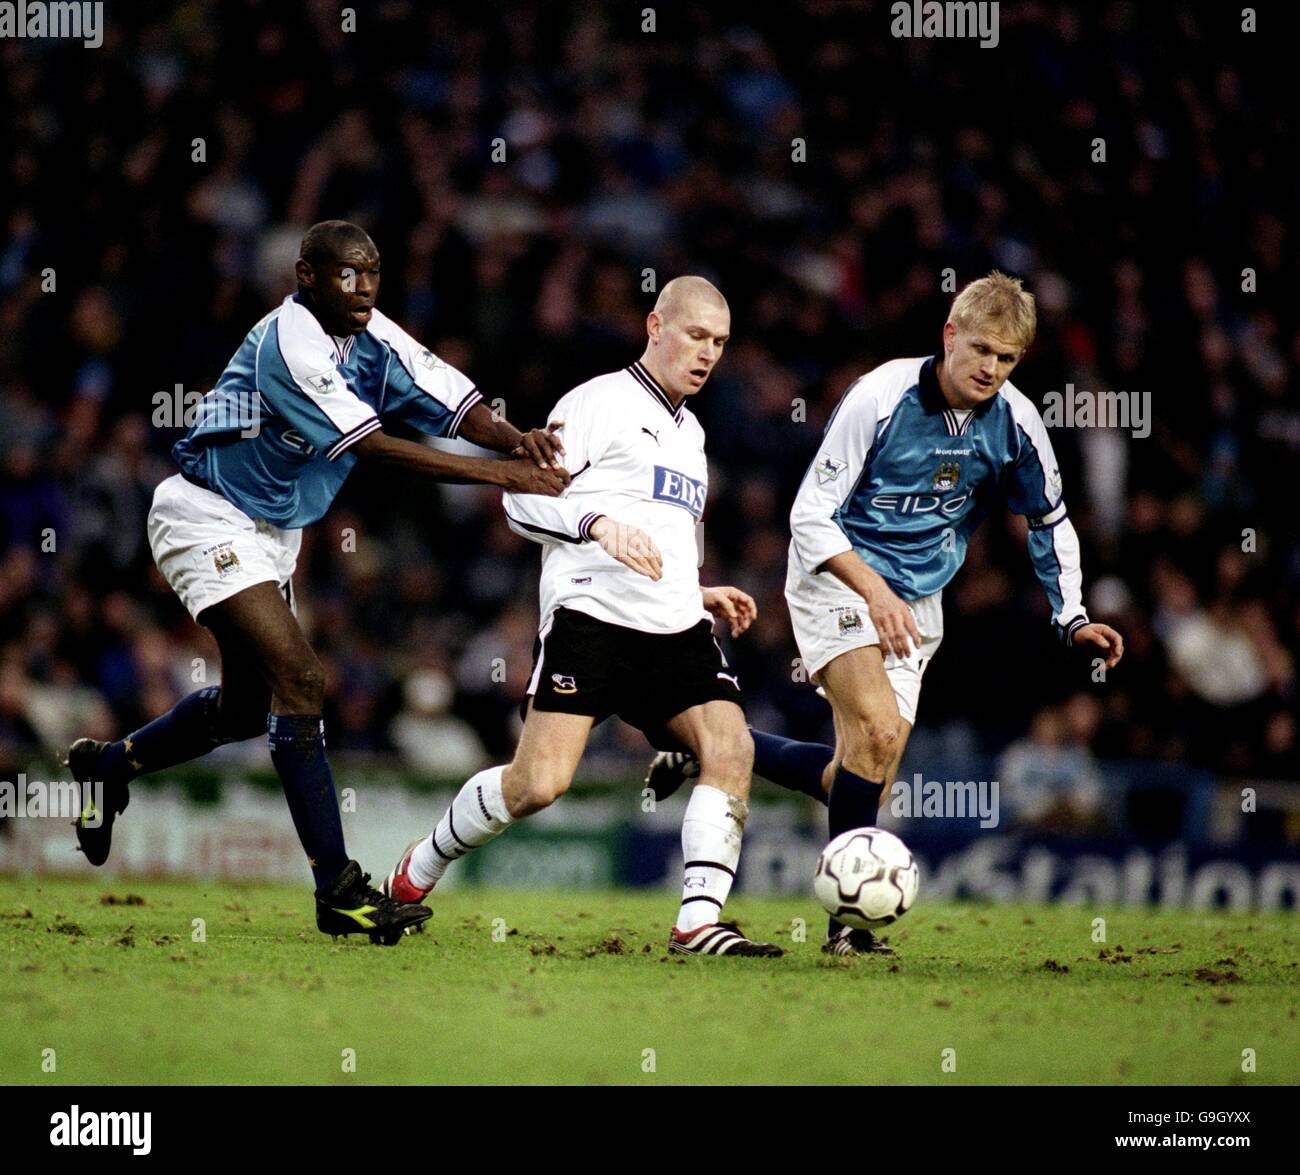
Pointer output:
x,y
636,459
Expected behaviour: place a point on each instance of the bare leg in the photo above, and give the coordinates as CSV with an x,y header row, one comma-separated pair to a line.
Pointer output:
x,y
489,802
547,756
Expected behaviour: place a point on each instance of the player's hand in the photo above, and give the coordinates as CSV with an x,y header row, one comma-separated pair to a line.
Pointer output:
x,y
542,445
737,608
522,475
894,622
1105,638
631,547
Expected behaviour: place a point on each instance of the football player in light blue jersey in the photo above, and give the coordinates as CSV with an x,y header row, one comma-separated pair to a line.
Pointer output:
x,y
915,455
303,399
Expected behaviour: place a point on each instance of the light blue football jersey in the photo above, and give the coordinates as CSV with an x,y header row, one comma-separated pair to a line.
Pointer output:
x,y
272,437
904,480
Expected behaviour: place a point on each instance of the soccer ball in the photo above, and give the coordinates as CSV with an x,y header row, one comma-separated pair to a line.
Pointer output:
x,y
866,877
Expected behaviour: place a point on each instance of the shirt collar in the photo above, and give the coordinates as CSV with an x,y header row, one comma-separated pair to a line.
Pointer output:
x,y
932,395
342,344
655,389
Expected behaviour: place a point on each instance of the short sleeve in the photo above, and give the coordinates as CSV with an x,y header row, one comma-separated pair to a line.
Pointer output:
x,y
296,376
422,390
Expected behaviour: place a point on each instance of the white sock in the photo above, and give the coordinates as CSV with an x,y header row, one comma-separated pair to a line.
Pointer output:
x,y
477,815
711,834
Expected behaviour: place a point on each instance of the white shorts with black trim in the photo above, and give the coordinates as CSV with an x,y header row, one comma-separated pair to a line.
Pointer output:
x,y
208,550
829,619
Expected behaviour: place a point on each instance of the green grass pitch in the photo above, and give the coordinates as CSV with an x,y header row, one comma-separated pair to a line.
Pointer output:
x,y
575,987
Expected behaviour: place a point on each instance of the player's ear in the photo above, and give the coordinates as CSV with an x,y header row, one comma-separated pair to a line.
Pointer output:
x,y
653,326
949,336
306,275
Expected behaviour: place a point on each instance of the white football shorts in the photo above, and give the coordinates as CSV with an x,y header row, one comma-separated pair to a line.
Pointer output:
x,y
208,549
829,618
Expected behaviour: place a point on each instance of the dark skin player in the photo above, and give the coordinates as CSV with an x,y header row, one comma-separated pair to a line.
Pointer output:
x,y
266,662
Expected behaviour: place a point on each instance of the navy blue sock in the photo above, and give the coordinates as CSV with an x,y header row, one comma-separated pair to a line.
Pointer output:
x,y
853,804
795,765
186,731
298,752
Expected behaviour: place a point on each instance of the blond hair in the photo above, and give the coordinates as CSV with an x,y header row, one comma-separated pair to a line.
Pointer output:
x,y
996,302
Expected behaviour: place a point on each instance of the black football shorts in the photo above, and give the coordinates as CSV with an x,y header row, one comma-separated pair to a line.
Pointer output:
x,y
582,665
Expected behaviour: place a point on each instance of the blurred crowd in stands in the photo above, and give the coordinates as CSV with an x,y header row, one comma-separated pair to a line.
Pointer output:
x,y
825,175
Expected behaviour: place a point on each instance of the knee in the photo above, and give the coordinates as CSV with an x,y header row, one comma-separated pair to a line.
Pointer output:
x,y
728,757
301,687
532,787
870,740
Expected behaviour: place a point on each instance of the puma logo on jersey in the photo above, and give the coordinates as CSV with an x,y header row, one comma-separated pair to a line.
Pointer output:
x,y
654,436
680,490
728,677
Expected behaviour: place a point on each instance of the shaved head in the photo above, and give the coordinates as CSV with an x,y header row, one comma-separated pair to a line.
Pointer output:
x,y
686,332
681,291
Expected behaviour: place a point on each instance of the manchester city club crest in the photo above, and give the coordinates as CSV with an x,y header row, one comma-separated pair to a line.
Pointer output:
x,y
945,477
224,560
850,620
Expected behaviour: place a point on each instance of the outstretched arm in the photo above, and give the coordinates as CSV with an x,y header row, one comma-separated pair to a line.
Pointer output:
x,y
522,475
483,427
431,395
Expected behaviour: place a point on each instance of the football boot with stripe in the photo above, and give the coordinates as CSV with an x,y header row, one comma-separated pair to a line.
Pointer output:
x,y
719,938
351,906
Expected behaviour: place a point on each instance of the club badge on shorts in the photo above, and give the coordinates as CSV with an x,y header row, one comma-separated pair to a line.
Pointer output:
x,y
850,620
563,683
224,559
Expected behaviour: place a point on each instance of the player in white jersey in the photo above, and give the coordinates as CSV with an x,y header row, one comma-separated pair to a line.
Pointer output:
x,y
626,627
915,455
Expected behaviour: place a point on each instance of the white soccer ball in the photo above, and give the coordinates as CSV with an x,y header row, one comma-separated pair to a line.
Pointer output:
x,y
866,877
